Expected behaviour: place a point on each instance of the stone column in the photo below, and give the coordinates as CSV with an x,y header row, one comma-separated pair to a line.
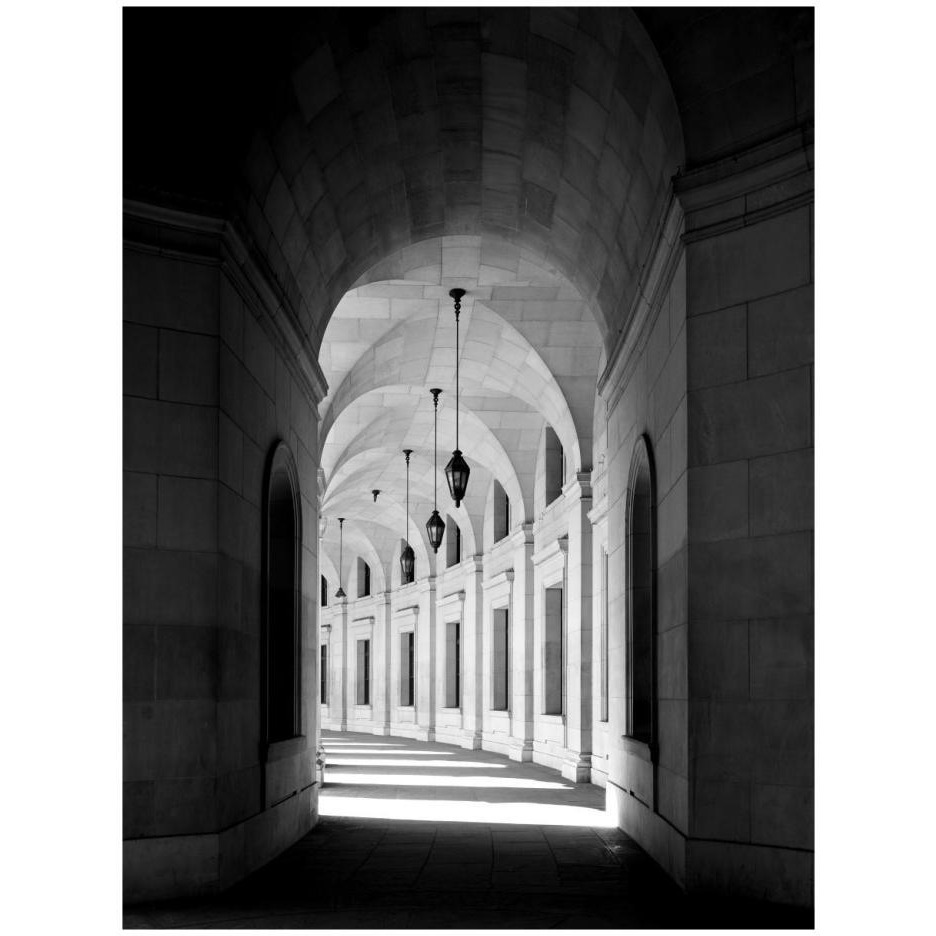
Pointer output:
x,y
345,659
577,494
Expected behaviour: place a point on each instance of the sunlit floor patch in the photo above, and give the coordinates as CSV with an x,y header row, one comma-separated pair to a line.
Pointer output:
x,y
347,750
439,780
341,761
551,814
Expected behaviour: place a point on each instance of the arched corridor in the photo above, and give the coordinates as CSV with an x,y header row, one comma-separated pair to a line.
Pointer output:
x,y
623,595
417,835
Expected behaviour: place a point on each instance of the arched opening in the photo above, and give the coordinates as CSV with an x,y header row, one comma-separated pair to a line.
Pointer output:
x,y
640,552
282,591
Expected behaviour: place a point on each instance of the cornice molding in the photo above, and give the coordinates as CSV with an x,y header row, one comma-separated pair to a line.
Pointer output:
x,y
558,548
186,235
504,577
452,599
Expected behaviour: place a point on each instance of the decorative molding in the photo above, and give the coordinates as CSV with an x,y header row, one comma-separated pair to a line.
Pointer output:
x,y
504,577
186,235
455,598
579,485
752,170
557,548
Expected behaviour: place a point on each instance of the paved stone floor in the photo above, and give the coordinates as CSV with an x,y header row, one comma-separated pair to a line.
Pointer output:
x,y
429,836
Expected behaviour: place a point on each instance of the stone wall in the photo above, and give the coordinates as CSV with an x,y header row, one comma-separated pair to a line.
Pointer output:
x,y
750,370
207,393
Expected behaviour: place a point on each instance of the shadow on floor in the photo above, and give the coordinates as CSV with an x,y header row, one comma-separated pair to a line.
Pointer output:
x,y
429,836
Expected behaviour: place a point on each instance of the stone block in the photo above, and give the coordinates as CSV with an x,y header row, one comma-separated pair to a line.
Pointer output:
x,y
782,815
782,493
230,454
163,587
673,591
718,502
186,662
139,664
718,347
670,387
769,576
259,357
238,795
232,317
230,592
723,739
719,659
784,751
721,809
139,509
782,658
672,664
753,418
781,331
169,739
658,345
673,799
170,293
238,665
139,802
140,356
672,726
781,875
188,514
239,732
188,367
170,438
672,521
749,263
185,806
257,416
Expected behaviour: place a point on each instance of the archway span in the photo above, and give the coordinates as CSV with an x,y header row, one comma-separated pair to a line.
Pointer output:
x,y
513,123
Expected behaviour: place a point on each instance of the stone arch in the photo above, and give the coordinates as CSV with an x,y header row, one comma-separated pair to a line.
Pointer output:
x,y
640,579
281,644
555,130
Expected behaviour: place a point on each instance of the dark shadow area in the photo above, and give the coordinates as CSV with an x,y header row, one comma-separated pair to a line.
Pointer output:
x,y
353,872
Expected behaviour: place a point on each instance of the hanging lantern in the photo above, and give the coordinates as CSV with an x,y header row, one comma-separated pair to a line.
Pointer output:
x,y
407,556
435,525
341,592
457,470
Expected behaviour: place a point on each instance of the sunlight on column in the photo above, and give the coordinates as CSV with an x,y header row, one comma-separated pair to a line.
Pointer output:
x,y
462,811
438,780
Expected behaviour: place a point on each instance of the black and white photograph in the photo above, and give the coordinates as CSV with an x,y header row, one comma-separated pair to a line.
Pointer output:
x,y
465,404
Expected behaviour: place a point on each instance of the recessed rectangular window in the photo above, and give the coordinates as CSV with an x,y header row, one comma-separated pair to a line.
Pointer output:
x,y
452,544
323,676
363,672
407,668
555,466
500,660
553,687
453,664
324,599
363,578
501,512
